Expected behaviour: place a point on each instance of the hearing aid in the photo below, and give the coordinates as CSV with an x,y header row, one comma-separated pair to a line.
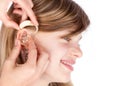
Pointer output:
x,y
24,37
28,23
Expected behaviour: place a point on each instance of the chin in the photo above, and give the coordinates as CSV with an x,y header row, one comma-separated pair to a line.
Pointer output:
x,y
66,80
62,79
60,76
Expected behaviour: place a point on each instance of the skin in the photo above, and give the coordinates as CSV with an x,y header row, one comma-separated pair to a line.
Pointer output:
x,y
48,49
45,52
14,74
58,49
26,11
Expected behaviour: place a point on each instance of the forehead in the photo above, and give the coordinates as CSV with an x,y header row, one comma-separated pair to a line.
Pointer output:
x,y
67,33
61,32
64,32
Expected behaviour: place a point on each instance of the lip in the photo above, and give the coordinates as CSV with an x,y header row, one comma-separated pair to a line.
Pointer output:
x,y
68,64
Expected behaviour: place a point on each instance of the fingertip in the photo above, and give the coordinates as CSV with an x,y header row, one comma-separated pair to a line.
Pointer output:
x,y
33,17
15,52
36,23
16,26
9,23
13,25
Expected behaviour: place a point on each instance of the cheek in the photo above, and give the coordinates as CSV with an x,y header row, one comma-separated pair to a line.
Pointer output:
x,y
63,48
55,49
58,50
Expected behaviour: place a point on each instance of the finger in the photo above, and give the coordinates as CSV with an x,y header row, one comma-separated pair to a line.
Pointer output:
x,y
22,13
31,15
31,3
27,6
17,11
9,23
32,53
16,6
14,53
42,63
20,3
24,16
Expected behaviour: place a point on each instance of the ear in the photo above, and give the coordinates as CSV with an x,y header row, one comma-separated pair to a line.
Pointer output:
x,y
24,36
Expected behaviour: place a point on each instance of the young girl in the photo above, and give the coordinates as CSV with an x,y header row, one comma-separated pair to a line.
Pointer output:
x,y
43,57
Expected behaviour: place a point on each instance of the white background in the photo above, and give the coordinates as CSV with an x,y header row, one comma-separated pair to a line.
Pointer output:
x,y
100,64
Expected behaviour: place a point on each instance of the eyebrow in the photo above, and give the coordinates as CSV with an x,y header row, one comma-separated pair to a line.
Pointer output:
x,y
80,37
68,34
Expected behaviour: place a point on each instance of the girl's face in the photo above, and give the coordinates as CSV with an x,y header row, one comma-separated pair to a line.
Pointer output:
x,y
63,53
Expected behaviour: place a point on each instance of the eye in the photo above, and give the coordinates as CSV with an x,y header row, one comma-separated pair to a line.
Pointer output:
x,y
67,38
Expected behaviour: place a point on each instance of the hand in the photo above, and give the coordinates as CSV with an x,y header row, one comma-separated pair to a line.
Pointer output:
x,y
23,74
21,7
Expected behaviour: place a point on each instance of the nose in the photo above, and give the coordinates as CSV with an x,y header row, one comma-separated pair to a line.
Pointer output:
x,y
76,51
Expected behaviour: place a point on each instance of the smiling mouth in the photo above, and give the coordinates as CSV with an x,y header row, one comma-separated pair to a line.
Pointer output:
x,y
68,64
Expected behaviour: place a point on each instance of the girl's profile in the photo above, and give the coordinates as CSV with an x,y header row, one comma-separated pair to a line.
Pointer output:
x,y
43,57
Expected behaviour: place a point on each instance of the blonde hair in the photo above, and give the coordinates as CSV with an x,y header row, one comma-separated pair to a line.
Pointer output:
x,y
52,15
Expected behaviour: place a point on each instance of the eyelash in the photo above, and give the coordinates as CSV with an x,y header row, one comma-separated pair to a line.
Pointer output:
x,y
67,38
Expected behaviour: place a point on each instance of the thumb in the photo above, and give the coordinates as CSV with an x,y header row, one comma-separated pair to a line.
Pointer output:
x,y
14,54
10,23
